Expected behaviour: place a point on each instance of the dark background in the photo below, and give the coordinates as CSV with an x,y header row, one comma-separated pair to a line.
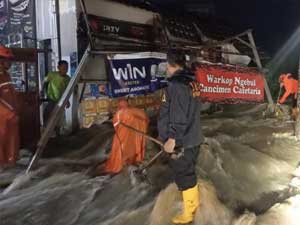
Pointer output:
x,y
273,22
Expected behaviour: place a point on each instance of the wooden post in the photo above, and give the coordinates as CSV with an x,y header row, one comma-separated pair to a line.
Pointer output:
x,y
297,125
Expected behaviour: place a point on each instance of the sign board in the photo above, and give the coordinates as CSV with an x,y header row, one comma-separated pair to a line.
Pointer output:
x,y
136,74
111,28
227,84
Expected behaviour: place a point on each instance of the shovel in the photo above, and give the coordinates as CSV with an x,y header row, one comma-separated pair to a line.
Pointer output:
x,y
142,171
277,106
279,94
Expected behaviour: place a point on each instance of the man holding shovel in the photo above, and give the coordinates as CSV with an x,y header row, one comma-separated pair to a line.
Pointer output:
x,y
179,128
291,87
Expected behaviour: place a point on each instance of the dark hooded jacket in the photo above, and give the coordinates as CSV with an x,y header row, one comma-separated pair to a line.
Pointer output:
x,y
180,111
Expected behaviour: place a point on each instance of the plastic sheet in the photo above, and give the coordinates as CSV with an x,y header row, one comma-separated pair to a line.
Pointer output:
x,y
128,147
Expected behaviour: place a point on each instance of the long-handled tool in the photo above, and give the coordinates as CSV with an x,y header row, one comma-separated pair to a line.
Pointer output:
x,y
277,107
143,134
279,94
142,170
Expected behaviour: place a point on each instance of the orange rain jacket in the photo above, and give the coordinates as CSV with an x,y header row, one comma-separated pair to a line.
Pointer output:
x,y
290,86
9,122
128,147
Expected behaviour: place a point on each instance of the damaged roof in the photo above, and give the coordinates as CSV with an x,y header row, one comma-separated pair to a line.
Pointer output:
x,y
210,26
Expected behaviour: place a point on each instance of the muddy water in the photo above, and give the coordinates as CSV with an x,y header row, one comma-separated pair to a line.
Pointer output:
x,y
246,167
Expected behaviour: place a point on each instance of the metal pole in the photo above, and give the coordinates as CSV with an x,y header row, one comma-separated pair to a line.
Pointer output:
x,y
35,25
82,92
143,134
259,64
297,125
151,139
83,7
58,28
238,35
57,112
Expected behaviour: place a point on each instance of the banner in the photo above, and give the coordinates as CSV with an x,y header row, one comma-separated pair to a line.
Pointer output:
x,y
136,74
226,84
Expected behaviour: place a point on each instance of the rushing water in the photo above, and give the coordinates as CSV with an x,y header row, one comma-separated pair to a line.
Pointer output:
x,y
247,172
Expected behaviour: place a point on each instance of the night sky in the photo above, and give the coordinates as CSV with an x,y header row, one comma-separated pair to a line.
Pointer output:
x,y
273,21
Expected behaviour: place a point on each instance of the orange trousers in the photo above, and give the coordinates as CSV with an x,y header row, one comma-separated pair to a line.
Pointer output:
x,y
9,136
128,147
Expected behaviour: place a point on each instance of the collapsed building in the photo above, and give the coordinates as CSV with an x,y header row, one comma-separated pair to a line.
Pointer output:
x,y
250,161
117,49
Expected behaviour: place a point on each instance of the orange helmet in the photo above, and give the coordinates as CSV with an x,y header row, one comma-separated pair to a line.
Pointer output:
x,y
5,52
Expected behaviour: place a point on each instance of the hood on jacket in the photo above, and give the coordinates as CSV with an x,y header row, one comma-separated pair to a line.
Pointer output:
x,y
184,76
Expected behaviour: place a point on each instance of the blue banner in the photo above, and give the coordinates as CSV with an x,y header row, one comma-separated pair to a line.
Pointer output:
x,y
136,74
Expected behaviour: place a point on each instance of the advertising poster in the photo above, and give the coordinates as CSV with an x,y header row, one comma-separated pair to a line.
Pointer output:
x,y
136,74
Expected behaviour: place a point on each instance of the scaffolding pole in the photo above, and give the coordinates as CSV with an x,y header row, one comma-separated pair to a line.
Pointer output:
x,y
85,16
57,112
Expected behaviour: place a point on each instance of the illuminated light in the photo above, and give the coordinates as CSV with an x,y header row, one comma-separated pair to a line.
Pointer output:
x,y
285,50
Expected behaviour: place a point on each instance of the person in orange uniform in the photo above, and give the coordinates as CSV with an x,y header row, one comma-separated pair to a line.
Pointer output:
x,y
290,85
128,147
9,121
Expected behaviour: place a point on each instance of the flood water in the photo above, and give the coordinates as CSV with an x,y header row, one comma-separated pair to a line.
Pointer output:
x,y
247,170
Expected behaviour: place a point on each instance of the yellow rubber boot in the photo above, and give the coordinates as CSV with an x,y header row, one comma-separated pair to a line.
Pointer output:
x,y
190,204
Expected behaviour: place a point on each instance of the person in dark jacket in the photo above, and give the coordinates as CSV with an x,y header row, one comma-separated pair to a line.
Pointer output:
x,y
179,128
